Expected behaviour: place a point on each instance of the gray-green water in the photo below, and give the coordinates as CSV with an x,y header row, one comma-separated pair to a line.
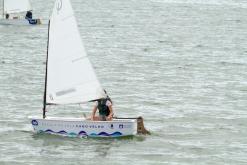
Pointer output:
x,y
179,64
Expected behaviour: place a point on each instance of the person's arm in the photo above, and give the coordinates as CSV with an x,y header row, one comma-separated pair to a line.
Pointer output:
x,y
109,117
93,112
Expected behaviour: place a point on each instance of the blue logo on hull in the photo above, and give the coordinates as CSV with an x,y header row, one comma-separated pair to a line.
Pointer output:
x,y
34,122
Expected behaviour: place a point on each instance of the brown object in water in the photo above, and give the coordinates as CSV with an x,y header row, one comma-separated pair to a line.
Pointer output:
x,y
140,127
38,21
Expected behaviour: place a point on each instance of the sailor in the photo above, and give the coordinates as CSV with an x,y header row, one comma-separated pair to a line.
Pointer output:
x,y
29,17
7,16
104,105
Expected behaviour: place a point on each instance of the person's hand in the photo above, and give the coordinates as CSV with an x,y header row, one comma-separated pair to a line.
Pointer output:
x,y
92,118
109,117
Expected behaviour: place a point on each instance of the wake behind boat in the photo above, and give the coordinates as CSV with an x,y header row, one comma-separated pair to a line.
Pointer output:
x,y
17,12
70,79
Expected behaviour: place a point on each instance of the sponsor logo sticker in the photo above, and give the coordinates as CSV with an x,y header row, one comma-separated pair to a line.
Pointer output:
x,y
35,122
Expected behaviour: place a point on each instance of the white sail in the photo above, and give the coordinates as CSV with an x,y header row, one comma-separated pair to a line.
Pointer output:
x,y
70,75
16,6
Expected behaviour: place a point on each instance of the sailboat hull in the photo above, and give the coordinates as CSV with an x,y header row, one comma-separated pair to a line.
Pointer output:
x,y
79,127
20,22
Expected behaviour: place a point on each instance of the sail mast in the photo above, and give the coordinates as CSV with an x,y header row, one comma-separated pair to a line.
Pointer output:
x,y
44,99
3,9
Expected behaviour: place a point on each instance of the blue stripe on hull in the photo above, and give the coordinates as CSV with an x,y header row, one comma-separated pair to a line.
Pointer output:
x,y
82,133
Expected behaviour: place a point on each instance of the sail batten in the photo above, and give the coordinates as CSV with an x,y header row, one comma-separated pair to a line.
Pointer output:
x,y
70,76
16,6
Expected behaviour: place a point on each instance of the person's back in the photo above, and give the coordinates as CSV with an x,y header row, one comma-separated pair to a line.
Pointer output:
x,y
104,105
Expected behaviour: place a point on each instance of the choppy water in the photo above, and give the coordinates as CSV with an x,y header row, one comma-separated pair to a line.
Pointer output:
x,y
179,64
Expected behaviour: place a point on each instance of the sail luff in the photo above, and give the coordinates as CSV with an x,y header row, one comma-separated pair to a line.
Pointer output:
x,y
46,67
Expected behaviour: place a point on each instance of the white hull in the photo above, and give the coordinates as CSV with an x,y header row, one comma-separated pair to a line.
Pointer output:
x,y
20,22
79,127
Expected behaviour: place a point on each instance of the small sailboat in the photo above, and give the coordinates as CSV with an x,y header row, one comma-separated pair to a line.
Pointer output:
x,y
70,79
17,12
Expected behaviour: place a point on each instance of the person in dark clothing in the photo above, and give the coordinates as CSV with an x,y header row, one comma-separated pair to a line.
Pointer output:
x,y
7,16
29,15
104,106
